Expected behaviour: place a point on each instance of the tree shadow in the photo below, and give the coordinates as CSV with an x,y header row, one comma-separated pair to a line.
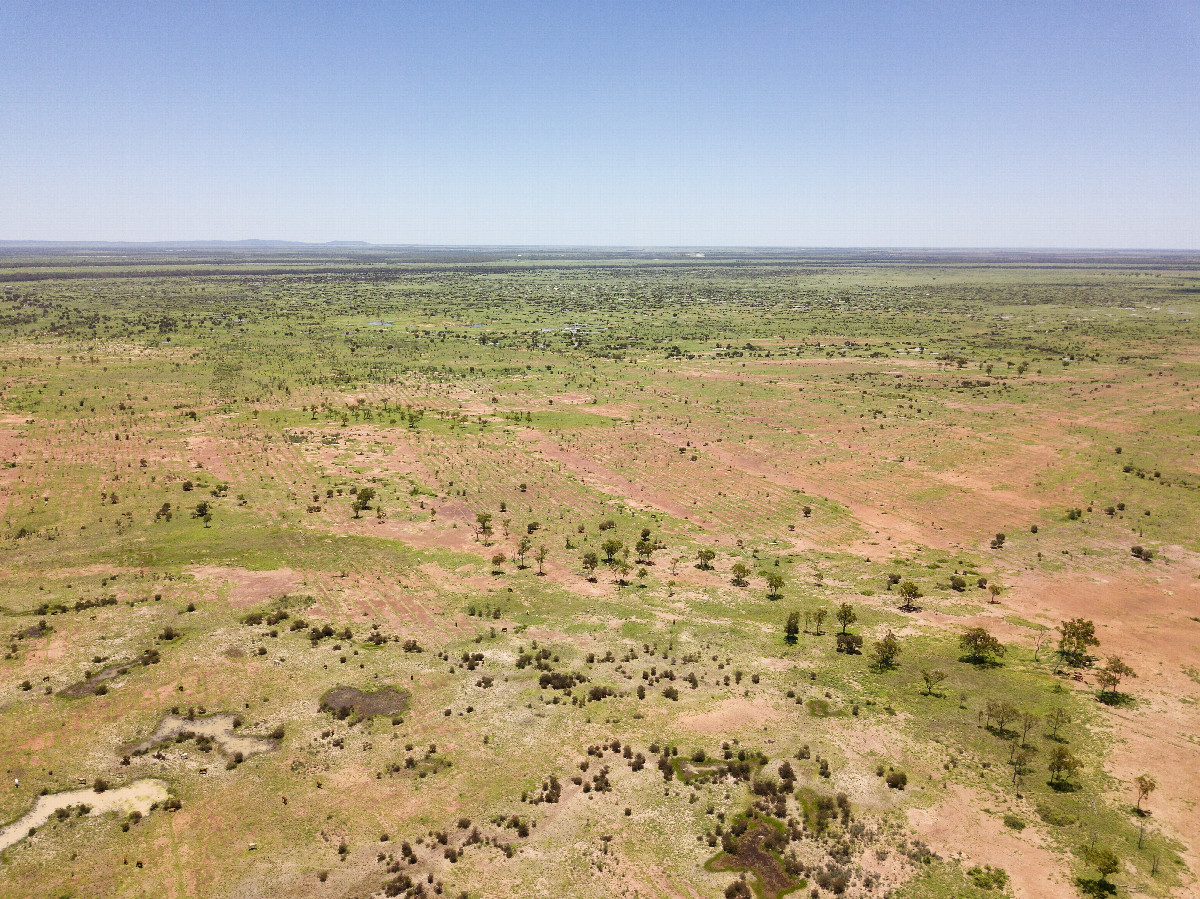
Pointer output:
x,y
1094,886
981,661
1063,786
1121,700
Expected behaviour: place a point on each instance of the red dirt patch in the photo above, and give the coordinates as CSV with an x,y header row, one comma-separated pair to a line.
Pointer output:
x,y
246,587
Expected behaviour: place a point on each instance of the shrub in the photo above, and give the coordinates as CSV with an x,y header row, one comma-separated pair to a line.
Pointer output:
x,y
897,780
988,878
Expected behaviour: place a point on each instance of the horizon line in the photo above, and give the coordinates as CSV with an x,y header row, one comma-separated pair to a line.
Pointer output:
x,y
363,244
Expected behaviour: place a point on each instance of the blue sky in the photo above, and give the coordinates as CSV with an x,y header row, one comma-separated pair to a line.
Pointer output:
x,y
737,123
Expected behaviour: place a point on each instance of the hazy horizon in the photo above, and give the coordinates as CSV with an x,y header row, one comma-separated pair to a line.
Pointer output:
x,y
926,125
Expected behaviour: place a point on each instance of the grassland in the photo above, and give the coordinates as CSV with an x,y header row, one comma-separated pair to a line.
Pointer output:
x,y
186,442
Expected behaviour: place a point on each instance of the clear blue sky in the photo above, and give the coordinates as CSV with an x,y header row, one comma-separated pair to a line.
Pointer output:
x,y
735,123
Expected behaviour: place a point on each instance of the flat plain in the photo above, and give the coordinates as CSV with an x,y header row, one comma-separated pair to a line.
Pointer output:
x,y
562,573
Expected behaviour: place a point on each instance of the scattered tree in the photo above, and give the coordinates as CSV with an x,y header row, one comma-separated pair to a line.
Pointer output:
x,y
885,651
1000,712
1062,765
483,526
540,556
1145,786
846,616
792,629
1028,721
362,500
1019,759
1076,637
909,593
740,573
589,563
774,584
705,557
203,512
1056,719
1111,675
819,617
850,644
980,645
622,568
1103,860
932,678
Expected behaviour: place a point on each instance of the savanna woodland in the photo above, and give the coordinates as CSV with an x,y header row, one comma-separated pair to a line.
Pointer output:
x,y
380,573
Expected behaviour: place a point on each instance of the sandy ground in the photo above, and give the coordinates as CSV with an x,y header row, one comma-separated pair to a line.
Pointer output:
x,y
138,796
248,588
217,727
1147,621
957,825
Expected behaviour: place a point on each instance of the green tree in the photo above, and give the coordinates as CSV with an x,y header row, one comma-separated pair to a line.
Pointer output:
x,y
524,545
1001,712
623,569
1103,860
792,629
886,651
1062,765
1076,637
644,549
498,560
846,616
589,562
774,584
910,593
705,557
362,500
980,645
819,617
1145,786
740,573
1111,675
610,548
483,526
540,556
203,512
850,644
932,677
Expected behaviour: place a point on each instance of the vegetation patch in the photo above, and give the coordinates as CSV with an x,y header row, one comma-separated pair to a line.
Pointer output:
x,y
756,849
350,702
